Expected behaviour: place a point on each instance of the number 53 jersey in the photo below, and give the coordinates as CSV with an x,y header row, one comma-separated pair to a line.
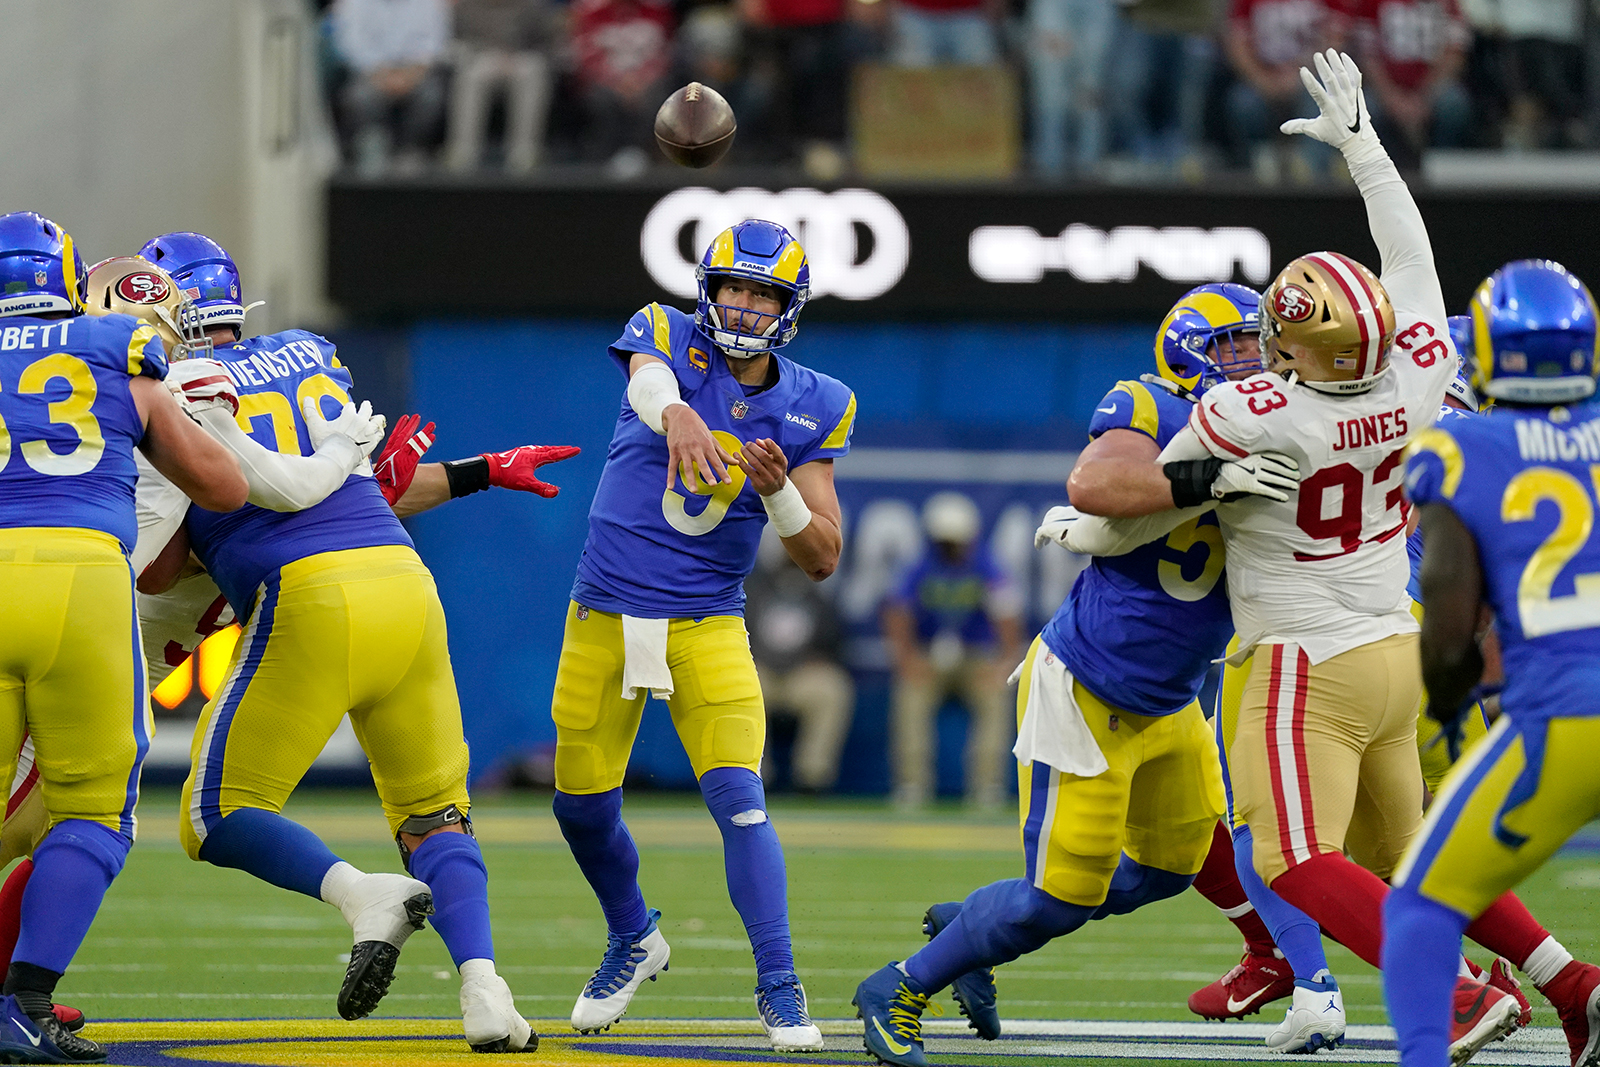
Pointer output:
x,y
1327,569
662,553
1524,481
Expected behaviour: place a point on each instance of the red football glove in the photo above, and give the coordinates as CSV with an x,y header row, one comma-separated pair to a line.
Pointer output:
x,y
396,465
519,467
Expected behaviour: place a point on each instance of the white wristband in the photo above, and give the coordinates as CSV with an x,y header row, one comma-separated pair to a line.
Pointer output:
x,y
787,510
652,389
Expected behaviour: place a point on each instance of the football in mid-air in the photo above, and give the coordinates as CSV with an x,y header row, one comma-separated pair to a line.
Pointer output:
x,y
695,126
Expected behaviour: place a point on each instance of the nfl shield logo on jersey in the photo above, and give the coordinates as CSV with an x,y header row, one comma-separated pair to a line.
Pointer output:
x,y
739,409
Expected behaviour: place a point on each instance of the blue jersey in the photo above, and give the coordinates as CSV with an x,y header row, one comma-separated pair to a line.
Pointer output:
x,y
1140,630
662,553
952,598
1522,480
69,421
241,548
1447,415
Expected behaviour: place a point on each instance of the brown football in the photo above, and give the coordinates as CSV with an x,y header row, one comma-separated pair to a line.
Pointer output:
x,y
695,126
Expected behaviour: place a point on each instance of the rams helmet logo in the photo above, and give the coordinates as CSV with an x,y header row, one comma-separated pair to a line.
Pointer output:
x,y
143,288
1293,304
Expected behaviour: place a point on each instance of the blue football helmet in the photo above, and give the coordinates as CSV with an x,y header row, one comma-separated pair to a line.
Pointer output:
x,y
1209,313
204,271
1460,386
757,251
1534,334
40,269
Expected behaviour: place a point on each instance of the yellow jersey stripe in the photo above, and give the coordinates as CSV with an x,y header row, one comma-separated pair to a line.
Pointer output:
x,y
1441,444
141,337
663,331
1146,419
841,432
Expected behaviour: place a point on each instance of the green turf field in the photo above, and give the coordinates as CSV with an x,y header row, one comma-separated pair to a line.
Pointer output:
x,y
177,939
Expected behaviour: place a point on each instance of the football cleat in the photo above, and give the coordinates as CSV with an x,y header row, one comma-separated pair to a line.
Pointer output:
x,y
24,1039
782,1007
624,967
1254,982
890,1004
1315,1019
489,1015
1481,1014
1500,976
974,992
382,910
71,1018
1575,992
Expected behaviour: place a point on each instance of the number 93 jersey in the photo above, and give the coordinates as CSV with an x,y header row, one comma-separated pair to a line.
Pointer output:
x,y
662,553
1524,481
273,374
68,424
1140,630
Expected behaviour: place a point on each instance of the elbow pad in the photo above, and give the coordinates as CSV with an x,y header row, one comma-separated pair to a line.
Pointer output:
x,y
653,389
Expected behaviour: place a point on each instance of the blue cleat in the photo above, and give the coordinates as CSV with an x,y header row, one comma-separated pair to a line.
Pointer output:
x,y
781,1004
24,1039
974,991
890,1004
622,970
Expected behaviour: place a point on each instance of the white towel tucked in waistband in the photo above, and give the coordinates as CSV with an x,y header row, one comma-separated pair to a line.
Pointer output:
x,y
1053,730
644,658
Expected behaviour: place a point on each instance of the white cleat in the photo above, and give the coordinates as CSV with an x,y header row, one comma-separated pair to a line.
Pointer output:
x,y
1315,1019
383,910
782,1007
488,1014
624,967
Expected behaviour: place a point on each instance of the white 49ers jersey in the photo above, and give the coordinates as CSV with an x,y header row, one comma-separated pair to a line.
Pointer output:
x,y
1327,569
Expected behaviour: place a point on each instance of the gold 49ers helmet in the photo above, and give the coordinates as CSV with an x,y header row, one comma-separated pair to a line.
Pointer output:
x,y
1328,319
131,285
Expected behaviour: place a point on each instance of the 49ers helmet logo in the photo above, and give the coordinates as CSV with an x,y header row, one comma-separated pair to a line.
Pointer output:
x,y
1293,304
142,287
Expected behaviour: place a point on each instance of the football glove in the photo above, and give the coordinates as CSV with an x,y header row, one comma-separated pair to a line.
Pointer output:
x,y
358,424
1344,121
396,465
202,385
518,468
1056,526
1267,474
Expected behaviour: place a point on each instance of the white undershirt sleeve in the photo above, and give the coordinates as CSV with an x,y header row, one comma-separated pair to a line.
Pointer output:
x,y
285,483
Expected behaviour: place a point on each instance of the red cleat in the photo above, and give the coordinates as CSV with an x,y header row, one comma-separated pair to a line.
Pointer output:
x,y
71,1018
1575,992
1482,1014
1501,978
1256,981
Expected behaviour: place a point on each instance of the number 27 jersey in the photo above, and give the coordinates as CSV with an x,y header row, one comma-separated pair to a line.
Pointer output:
x,y
1327,569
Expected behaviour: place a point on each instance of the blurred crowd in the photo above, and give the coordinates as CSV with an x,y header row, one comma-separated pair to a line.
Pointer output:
x,y
1109,87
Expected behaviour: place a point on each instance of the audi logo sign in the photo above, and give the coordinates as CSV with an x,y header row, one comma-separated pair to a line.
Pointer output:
x,y
1184,254
829,225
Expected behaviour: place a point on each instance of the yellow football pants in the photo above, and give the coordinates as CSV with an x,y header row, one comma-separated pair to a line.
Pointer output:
x,y
1458,860
1159,801
359,632
716,703
72,673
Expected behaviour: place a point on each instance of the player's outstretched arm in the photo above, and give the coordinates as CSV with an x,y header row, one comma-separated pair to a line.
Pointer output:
x,y
1116,476
516,468
1408,270
1452,587
178,448
801,505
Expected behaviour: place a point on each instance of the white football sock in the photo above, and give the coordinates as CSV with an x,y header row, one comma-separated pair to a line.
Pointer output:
x,y
338,882
479,968
1464,970
1546,961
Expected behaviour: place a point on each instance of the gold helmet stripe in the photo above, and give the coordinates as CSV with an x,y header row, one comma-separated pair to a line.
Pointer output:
x,y
1367,319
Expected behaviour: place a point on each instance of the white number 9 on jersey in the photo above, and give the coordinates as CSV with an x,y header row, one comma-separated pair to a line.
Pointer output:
x,y
722,495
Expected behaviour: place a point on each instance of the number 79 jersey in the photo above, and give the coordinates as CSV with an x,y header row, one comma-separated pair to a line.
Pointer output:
x,y
1525,482
1327,569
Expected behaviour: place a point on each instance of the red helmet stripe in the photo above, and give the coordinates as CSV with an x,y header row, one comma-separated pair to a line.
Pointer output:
x,y
1349,280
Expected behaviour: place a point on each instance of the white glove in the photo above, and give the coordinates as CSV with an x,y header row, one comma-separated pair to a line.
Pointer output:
x,y
202,385
1056,526
358,424
1345,123
1267,474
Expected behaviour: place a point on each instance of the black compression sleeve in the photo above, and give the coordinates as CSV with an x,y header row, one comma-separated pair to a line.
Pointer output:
x,y
1191,480
467,475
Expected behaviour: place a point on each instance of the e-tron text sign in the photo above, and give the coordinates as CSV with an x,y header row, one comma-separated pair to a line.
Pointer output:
x,y
892,253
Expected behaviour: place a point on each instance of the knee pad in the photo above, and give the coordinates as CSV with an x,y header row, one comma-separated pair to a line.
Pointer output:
x,y
586,812
420,825
734,796
1135,885
105,846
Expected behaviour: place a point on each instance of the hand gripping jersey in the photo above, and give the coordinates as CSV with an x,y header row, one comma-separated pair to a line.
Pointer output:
x,y
662,553
273,374
1327,569
1140,630
69,422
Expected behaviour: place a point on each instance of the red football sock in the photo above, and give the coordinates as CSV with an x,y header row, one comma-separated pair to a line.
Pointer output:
x,y
1218,882
1507,929
11,910
1345,899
